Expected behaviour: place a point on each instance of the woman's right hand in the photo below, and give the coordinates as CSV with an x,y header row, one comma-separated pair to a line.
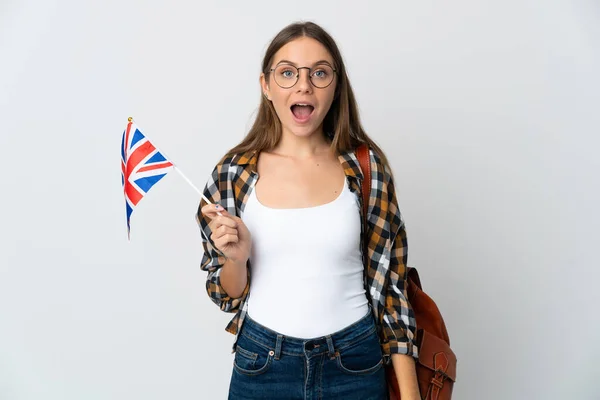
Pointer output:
x,y
229,233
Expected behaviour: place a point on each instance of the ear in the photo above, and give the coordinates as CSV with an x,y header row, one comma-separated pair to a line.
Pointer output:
x,y
265,87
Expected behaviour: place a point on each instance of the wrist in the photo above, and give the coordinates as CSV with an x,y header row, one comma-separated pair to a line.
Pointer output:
x,y
236,263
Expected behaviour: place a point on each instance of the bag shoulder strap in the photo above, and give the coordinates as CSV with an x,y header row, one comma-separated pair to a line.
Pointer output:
x,y
362,153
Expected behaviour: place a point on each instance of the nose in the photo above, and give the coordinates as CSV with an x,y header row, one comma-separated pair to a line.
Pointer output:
x,y
304,85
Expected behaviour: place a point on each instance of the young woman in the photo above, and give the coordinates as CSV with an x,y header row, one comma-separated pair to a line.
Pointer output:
x,y
314,317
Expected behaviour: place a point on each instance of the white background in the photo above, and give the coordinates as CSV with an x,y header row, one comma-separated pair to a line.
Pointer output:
x,y
488,110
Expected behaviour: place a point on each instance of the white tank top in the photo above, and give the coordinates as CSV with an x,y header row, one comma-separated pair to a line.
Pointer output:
x,y
306,266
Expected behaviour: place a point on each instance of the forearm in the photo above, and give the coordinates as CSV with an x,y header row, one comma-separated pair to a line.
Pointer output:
x,y
234,278
404,367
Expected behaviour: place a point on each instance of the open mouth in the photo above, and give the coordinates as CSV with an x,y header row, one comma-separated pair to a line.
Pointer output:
x,y
302,111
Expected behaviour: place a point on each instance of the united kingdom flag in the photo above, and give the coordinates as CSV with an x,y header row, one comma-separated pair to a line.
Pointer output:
x,y
142,166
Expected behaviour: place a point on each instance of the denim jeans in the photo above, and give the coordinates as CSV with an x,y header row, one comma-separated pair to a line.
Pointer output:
x,y
347,364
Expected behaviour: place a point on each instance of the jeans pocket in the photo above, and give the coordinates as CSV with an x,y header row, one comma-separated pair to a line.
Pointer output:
x,y
361,358
251,358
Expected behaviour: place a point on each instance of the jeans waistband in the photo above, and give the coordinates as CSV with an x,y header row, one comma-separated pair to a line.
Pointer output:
x,y
336,341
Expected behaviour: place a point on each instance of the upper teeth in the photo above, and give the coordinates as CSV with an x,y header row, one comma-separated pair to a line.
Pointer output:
x,y
301,104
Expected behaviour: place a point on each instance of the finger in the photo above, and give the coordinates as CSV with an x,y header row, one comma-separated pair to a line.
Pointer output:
x,y
215,225
222,231
225,240
225,220
213,210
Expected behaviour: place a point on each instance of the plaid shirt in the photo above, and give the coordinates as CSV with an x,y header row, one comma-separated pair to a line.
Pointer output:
x,y
230,184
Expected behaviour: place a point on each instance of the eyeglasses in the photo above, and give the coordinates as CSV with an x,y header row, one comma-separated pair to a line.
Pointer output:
x,y
286,76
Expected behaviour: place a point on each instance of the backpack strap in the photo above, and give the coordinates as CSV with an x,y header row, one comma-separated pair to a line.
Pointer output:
x,y
362,153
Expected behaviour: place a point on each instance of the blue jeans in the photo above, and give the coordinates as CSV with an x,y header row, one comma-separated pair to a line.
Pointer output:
x,y
347,364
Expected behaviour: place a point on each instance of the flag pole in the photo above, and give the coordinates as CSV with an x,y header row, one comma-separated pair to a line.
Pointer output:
x,y
192,185
190,182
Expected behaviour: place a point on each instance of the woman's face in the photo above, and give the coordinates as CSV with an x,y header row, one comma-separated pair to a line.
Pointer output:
x,y
303,104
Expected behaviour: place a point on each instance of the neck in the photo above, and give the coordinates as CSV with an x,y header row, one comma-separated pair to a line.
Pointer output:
x,y
302,146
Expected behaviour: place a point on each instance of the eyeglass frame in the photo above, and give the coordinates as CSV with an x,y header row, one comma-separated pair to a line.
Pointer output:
x,y
309,75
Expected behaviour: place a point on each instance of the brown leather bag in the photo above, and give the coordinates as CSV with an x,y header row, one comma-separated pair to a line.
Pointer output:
x,y
436,366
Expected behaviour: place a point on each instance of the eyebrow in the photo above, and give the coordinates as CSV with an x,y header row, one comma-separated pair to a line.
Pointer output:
x,y
294,64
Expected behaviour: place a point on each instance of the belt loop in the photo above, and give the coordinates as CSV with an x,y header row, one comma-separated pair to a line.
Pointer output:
x,y
330,348
278,346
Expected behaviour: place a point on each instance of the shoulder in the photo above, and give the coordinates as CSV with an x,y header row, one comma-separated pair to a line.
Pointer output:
x,y
231,162
226,174
380,171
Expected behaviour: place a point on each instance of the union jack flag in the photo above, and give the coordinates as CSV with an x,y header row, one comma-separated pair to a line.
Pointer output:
x,y
142,166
